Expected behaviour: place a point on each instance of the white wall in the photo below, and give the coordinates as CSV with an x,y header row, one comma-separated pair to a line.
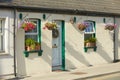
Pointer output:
x,y
34,64
76,57
6,58
74,45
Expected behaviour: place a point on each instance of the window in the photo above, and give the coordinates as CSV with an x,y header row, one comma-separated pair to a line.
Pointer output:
x,y
90,36
2,43
33,37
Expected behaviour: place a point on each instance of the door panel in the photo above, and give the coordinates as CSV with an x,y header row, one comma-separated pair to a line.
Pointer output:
x,y
56,48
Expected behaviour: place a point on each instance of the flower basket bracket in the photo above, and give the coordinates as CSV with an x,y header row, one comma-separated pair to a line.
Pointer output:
x,y
26,53
86,48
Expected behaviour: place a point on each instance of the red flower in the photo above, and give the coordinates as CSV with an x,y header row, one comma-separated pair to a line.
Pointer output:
x,y
28,26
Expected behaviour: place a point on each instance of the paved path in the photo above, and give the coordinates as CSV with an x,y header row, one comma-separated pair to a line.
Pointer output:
x,y
79,74
114,76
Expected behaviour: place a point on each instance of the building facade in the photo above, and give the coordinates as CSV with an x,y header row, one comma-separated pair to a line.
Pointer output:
x,y
64,48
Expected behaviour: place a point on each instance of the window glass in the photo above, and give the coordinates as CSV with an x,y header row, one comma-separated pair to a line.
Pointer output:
x,y
33,33
90,27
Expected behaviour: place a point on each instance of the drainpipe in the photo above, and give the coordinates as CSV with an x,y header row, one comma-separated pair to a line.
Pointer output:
x,y
14,24
115,44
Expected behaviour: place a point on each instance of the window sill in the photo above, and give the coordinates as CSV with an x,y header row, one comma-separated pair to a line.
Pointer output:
x,y
33,51
3,53
89,32
86,48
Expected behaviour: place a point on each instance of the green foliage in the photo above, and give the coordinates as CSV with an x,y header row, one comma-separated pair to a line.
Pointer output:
x,y
37,43
91,39
29,42
50,26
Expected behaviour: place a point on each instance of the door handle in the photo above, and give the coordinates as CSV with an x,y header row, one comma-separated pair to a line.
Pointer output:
x,y
54,46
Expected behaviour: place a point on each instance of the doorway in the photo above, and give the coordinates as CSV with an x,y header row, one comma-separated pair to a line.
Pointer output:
x,y
58,58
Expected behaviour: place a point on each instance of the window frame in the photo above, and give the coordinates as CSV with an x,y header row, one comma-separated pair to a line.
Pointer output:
x,y
38,39
2,34
93,34
94,31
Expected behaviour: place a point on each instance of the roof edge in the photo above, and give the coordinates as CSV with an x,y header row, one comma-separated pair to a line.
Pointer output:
x,y
60,11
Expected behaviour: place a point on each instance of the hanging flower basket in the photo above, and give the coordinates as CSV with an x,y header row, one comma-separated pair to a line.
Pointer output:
x,y
50,26
28,26
82,26
110,27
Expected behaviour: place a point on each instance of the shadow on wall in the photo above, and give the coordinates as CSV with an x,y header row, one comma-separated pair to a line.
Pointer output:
x,y
118,43
111,35
76,28
33,56
76,54
69,63
100,49
45,54
102,52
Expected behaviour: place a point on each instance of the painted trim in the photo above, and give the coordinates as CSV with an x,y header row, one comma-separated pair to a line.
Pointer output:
x,y
63,45
20,16
39,30
104,20
94,35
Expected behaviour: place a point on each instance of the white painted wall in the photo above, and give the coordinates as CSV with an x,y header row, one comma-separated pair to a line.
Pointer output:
x,y
74,46
6,59
34,64
76,57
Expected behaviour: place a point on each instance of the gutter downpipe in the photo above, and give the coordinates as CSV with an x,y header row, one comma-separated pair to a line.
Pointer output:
x,y
115,44
14,24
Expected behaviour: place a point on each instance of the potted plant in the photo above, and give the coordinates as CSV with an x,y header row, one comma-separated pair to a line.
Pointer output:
x,y
28,26
110,27
50,26
31,44
90,42
82,26
37,46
